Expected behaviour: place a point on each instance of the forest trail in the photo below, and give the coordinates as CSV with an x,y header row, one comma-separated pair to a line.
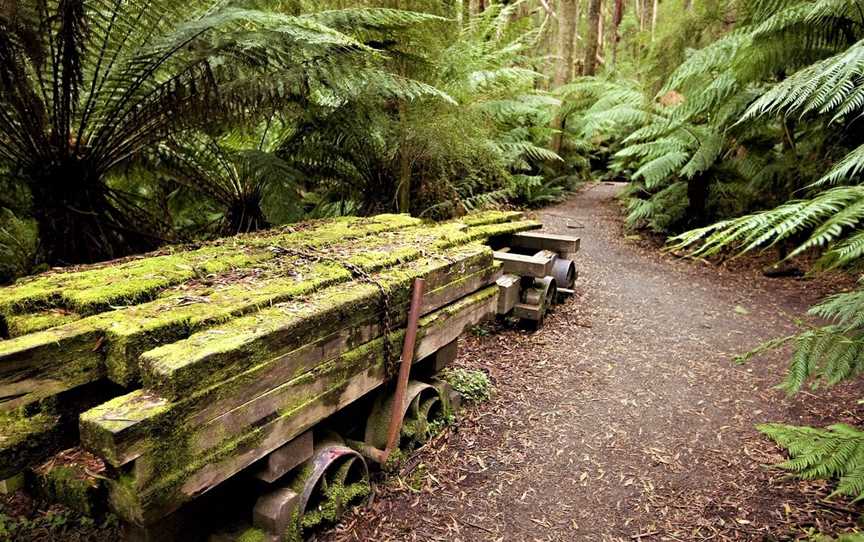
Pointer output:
x,y
624,417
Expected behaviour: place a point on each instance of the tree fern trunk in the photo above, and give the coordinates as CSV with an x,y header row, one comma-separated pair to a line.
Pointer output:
x,y
78,223
589,67
697,195
567,16
617,15
245,216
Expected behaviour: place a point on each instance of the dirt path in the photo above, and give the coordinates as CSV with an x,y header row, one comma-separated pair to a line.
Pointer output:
x,y
624,417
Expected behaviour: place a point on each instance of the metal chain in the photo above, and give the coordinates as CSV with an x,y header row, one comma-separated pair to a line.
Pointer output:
x,y
361,274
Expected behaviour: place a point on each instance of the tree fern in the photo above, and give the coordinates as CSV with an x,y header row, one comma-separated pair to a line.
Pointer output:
x,y
85,85
834,452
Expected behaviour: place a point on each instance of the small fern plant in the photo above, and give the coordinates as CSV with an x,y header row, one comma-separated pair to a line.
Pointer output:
x,y
834,452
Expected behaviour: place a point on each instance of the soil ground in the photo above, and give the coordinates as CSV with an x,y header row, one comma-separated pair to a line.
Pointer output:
x,y
624,418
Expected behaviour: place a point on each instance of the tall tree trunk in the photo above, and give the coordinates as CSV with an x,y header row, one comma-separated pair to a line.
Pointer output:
x,y
653,20
475,7
589,67
617,15
567,15
403,190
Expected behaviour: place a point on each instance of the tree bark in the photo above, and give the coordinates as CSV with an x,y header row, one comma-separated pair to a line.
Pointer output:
x,y
653,20
617,15
589,67
567,16
475,7
403,190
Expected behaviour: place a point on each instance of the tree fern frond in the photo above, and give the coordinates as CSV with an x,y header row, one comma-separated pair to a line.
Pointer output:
x,y
661,169
833,453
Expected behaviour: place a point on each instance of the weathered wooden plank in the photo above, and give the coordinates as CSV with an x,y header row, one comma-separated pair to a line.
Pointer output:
x,y
25,440
435,331
298,406
562,244
509,287
483,218
123,335
281,461
119,430
529,312
326,321
526,266
446,355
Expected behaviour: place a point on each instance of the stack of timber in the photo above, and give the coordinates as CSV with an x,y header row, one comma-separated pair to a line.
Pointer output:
x,y
182,368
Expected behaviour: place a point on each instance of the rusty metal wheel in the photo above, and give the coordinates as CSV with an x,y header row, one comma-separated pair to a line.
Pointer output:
x,y
335,479
424,406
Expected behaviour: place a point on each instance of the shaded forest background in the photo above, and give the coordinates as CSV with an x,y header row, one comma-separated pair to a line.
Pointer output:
x,y
124,130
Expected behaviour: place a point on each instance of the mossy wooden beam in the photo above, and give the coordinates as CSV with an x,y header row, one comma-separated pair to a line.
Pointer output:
x,y
120,336
485,232
344,314
245,358
97,289
483,218
24,439
25,324
60,357
167,477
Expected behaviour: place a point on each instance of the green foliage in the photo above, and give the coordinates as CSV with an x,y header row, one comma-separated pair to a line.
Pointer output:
x,y
473,134
19,244
85,86
58,524
848,537
474,385
836,452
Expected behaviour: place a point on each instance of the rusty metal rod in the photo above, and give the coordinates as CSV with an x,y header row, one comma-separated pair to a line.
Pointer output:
x,y
397,414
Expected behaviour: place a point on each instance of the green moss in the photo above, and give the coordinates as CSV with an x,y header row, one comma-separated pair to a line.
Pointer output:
x,y
394,461
253,535
216,354
30,323
25,438
483,218
16,426
485,232
71,486
98,289
176,451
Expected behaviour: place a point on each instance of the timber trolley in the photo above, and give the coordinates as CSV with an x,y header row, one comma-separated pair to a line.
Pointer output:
x,y
258,378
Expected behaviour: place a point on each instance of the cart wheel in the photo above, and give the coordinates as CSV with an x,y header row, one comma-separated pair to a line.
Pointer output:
x,y
536,301
564,272
423,406
333,480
